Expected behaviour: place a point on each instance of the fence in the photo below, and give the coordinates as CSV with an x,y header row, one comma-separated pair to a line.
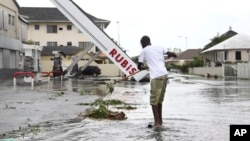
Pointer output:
x,y
243,70
228,71
24,74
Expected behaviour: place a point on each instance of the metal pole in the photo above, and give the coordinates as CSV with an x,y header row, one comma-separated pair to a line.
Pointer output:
x,y
186,42
118,31
32,83
14,82
118,26
185,39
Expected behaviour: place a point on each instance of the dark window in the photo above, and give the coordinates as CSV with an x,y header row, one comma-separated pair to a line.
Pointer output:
x,y
51,43
60,28
9,19
37,27
85,45
13,20
69,43
225,55
51,28
69,27
237,55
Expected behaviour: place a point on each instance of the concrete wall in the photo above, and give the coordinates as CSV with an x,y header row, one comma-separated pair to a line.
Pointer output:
x,y
244,55
204,70
243,71
61,37
106,69
110,70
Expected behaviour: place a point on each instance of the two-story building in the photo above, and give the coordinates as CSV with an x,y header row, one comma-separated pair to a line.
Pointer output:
x,y
13,32
49,28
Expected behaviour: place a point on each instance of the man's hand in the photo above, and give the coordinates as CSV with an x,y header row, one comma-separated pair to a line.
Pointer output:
x,y
140,66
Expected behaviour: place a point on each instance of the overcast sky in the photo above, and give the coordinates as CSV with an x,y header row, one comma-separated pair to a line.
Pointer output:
x,y
164,20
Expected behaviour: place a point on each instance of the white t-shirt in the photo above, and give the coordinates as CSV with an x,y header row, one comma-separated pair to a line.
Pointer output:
x,y
153,56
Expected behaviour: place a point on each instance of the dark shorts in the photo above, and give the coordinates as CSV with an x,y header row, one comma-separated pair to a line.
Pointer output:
x,y
158,88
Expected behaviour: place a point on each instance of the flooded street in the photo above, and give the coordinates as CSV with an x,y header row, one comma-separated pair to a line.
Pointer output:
x,y
195,109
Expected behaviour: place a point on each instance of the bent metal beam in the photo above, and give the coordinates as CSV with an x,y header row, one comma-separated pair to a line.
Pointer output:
x,y
78,17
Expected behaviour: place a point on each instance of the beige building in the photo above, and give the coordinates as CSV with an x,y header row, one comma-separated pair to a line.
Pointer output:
x,y
233,50
13,32
49,28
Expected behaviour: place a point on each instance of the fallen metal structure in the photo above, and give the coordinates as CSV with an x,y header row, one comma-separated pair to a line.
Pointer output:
x,y
79,18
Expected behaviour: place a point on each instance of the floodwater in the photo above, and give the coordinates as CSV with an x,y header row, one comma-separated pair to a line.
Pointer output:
x,y
195,109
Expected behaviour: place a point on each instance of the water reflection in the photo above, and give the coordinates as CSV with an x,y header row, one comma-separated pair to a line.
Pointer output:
x,y
195,109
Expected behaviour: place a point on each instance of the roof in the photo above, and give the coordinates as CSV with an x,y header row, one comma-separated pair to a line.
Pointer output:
x,y
16,3
45,14
67,50
239,41
222,38
188,54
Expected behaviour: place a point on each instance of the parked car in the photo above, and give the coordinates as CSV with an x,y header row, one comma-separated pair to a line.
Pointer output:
x,y
90,70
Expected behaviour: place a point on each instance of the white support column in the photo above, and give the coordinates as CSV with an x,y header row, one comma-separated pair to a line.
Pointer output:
x,y
14,81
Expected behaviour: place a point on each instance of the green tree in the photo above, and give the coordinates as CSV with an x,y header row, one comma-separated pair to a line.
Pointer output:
x,y
219,38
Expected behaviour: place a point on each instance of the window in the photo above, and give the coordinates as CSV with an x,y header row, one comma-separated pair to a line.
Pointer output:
x,y
237,55
11,19
225,55
69,43
51,43
69,27
1,18
85,45
5,20
51,28
37,27
1,58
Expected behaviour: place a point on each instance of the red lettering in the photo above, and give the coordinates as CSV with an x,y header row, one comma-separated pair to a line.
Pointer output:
x,y
124,63
113,52
133,70
128,67
119,59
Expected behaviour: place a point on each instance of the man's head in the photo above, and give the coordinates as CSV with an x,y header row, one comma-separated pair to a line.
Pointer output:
x,y
145,41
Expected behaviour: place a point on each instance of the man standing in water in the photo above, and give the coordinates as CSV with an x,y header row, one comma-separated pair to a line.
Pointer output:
x,y
153,56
